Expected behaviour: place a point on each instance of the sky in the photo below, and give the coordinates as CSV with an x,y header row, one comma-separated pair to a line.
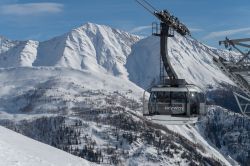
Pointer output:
x,y
208,20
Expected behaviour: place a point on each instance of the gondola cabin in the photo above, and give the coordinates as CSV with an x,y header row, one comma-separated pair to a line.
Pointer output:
x,y
175,105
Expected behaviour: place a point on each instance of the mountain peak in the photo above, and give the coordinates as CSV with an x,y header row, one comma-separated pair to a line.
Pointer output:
x,y
89,26
101,48
92,47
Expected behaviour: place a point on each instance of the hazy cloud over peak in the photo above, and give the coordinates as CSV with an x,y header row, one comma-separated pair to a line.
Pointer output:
x,y
140,29
217,34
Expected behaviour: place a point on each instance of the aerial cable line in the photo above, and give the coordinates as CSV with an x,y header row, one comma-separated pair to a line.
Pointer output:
x,y
147,6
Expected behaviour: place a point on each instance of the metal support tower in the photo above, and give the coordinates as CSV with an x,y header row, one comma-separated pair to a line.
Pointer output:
x,y
237,69
168,24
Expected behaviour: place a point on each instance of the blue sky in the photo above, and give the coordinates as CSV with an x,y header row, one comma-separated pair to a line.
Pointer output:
x,y
209,20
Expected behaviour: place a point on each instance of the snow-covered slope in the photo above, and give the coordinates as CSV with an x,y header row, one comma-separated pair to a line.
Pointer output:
x,y
16,149
6,44
22,54
191,59
194,135
33,90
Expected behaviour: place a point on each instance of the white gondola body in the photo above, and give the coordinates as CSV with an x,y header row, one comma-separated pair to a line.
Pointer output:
x,y
185,105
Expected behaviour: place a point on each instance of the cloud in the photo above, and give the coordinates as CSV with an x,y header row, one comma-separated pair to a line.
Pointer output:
x,y
217,34
31,8
195,29
140,29
8,1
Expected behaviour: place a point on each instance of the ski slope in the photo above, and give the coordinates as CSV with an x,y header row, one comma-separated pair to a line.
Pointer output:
x,y
18,150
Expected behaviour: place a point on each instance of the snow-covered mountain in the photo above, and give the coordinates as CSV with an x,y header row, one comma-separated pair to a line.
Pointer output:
x,y
91,46
78,92
17,149
191,60
6,44
21,54
103,49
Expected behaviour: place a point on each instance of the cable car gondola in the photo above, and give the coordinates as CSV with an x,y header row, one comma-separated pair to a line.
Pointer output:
x,y
175,105
172,101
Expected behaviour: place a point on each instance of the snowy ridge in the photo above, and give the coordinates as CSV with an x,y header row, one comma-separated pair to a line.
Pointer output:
x,y
25,87
6,44
102,49
90,47
22,54
17,149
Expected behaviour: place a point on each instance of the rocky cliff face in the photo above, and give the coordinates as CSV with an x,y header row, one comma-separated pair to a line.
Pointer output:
x,y
229,132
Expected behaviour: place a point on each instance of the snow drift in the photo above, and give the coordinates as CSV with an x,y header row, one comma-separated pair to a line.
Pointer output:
x,y
17,149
